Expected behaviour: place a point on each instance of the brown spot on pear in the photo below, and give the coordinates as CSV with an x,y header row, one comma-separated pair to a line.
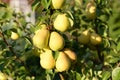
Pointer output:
x,y
56,41
47,60
63,62
40,39
61,22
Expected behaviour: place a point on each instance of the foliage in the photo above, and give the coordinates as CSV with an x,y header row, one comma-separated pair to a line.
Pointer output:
x,y
19,59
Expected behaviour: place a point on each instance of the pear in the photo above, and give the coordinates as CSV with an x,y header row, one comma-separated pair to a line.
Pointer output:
x,y
61,22
91,10
14,35
56,41
40,39
42,26
57,4
63,62
47,60
3,76
71,54
95,39
84,37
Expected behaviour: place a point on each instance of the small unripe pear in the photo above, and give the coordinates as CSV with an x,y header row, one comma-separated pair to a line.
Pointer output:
x,y
56,41
47,60
14,36
3,76
63,62
61,23
40,39
84,37
91,10
71,54
57,4
95,39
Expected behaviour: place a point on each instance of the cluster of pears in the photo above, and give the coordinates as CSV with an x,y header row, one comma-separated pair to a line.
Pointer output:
x,y
50,42
87,37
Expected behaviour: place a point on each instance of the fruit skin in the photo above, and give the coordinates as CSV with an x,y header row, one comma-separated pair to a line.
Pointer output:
x,y
47,60
56,41
71,54
57,4
14,35
95,39
40,39
3,76
63,62
84,37
61,22
91,10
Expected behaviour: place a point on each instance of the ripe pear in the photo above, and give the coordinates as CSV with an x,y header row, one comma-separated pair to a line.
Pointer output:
x,y
95,39
61,23
42,26
47,60
84,37
56,41
3,76
63,62
40,39
57,4
71,54
14,35
91,10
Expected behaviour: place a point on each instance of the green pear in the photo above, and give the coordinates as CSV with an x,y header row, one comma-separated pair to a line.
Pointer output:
x,y
57,4
63,62
47,60
84,37
40,39
95,39
56,41
61,22
91,10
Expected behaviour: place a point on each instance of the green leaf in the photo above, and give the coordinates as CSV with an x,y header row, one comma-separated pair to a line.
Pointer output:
x,y
118,46
105,75
46,3
78,76
116,74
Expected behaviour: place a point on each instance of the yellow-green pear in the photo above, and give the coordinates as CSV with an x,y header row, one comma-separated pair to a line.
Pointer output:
x,y
14,35
56,41
57,4
40,39
95,39
42,26
61,22
3,76
47,60
91,10
84,37
63,62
